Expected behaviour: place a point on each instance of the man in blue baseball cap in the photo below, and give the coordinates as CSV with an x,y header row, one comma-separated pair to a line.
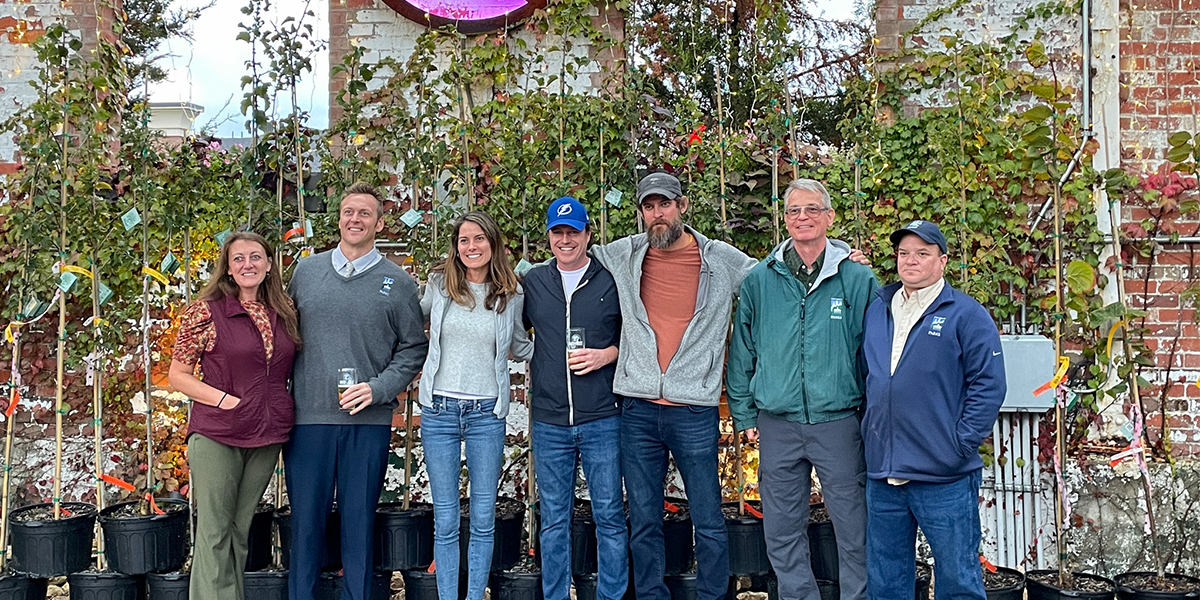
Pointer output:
x,y
935,383
571,303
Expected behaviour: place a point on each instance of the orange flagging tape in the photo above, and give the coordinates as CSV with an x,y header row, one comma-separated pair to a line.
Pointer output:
x,y
752,510
153,505
987,564
670,507
14,398
432,567
117,482
1063,364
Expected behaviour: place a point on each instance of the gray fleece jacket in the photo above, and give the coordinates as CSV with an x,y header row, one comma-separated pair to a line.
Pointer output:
x,y
694,374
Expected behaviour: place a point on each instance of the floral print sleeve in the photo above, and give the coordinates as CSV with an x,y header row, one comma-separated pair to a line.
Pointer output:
x,y
197,334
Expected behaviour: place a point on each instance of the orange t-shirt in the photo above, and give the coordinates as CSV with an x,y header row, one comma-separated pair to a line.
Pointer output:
x,y
670,281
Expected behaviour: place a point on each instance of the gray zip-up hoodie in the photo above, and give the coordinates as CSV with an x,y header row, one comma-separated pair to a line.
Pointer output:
x,y
694,374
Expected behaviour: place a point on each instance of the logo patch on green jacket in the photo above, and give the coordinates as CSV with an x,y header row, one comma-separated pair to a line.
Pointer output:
x,y
835,308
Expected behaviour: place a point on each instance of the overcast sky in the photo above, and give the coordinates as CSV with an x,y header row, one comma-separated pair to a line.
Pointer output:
x,y
208,71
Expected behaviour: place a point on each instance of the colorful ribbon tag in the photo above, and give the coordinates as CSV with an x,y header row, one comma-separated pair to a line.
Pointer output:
x,y
293,232
76,270
159,277
1063,364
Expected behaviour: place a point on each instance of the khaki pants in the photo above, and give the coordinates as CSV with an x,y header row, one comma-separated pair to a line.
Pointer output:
x,y
227,484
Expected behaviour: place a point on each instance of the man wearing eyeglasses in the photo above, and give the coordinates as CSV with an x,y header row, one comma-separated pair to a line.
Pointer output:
x,y
794,383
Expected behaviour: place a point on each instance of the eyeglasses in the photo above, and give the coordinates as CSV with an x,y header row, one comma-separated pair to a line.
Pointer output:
x,y
811,212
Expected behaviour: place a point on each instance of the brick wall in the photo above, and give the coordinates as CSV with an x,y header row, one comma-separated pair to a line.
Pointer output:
x,y
385,32
21,22
1154,78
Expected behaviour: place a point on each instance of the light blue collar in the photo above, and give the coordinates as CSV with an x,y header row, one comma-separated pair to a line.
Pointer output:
x,y
361,263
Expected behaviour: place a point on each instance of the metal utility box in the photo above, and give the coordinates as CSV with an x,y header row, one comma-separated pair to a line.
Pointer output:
x,y
1029,362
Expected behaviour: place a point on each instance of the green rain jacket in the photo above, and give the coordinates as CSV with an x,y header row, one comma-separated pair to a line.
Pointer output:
x,y
794,354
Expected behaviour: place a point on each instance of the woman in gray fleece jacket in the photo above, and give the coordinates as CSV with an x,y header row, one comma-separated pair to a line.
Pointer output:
x,y
474,306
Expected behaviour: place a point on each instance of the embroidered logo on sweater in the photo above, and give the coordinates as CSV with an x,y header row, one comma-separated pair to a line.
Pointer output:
x,y
386,288
835,308
935,328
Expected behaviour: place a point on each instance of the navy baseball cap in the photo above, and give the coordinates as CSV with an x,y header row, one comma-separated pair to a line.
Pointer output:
x,y
567,211
926,230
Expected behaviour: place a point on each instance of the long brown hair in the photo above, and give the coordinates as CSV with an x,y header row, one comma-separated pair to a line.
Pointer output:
x,y
270,292
502,281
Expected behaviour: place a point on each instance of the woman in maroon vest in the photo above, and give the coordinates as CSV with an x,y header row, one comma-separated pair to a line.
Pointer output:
x,y
242,334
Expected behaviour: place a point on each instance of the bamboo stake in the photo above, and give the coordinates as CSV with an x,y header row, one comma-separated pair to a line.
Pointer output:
x,y
774,198
857,201
721,146
14,382
98,407
603,191
791,120
741,473
408,446
56,499
1059,430
146,366
299,170
1135,391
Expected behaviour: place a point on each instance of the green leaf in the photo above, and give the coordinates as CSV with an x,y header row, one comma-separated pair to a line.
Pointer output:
x,y
1081,277
1179,138
1179,154
1038,113
1035,53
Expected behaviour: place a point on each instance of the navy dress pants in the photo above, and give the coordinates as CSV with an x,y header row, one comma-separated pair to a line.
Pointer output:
x,y
319,459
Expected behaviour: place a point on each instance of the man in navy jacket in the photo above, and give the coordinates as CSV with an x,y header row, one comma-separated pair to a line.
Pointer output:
x,y
935,382
576,415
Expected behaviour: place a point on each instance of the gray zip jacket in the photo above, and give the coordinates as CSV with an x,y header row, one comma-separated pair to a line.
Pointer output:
x,y
694,374
510,337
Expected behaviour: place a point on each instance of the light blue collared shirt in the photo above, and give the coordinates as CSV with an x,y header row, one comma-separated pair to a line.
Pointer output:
x,y
361,263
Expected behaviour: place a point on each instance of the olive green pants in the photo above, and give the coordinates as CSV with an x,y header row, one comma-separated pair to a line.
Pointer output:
x,y
227,484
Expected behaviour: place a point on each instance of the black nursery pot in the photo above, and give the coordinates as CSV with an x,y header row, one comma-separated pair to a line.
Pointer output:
x,y
266,585
1012,592
168,586
49,548
585,586
22,587
332,559
1037,590
747,546
683,586
403,538
1128,588
261,537
506,541
508,585
146,544
583,543
677,538
822,548
420,584
106,585
329,586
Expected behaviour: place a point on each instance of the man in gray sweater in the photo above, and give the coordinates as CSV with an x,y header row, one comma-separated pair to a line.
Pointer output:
x,y
676,292
359,320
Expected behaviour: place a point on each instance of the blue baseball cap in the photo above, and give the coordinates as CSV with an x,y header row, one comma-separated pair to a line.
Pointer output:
x,y
567,211
926,230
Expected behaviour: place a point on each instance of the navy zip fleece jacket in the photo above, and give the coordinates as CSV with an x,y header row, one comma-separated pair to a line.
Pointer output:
x,y
560,397
926,421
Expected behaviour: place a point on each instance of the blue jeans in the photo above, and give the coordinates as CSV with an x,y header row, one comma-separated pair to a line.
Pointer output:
x,y
558,451
689,433
444,427
948,515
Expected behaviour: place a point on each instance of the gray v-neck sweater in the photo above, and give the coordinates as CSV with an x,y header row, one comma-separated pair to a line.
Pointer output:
x,y
371,321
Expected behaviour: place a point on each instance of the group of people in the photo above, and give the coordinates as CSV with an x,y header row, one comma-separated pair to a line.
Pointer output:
x,y
886,392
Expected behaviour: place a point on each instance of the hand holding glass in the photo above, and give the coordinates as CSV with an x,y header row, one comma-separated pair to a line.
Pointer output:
x,y
347,377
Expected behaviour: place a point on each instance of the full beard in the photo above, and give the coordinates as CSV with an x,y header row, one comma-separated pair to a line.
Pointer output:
x,y
662,238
